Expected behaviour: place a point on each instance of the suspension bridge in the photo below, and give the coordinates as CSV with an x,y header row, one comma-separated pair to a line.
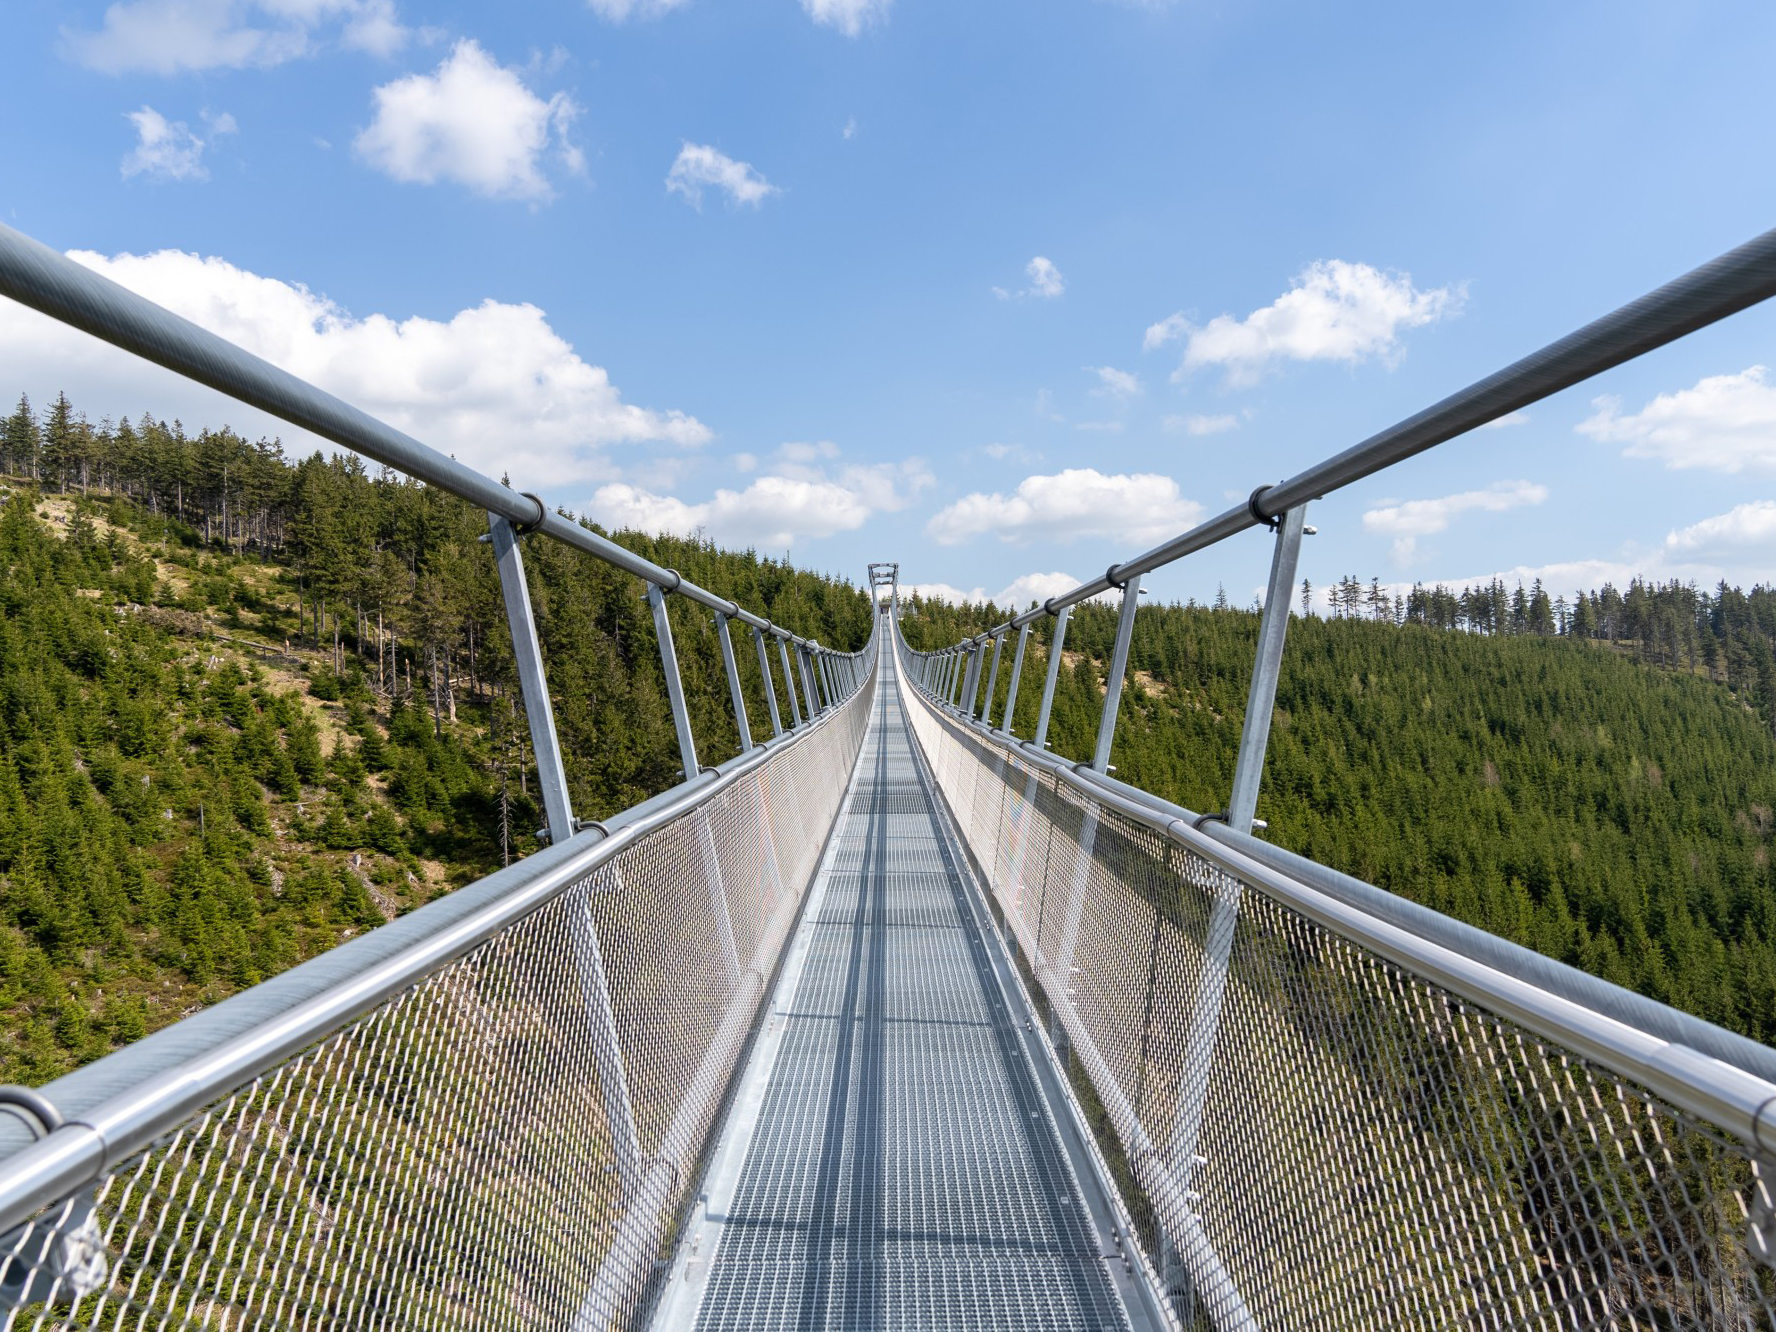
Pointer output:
x,y
896,1019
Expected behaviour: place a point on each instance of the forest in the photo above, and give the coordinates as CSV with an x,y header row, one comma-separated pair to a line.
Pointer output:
x,y
250,706
253,704
1594,778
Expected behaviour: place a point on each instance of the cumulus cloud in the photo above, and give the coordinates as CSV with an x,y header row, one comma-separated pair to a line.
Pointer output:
x,y
698,165
174,36
807,494
1016,596
494,384
1078,502
1113,383
168,149
1046,282
1200,425
850,17
1408,521
1747,530
471,121
1726,423
1334,311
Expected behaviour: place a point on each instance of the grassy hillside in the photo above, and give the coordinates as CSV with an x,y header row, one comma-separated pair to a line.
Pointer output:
x,y
1557,790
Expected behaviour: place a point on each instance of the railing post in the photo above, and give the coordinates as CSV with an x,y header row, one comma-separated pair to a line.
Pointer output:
x,y
1054,671
758,638
532,686
1248,769
681,717
809,696
971,682
1119,659
733,669
1205,1016
1017,675
789,684
992,680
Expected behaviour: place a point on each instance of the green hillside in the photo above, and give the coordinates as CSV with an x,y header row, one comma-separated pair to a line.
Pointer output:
x,y
1561,790
249,708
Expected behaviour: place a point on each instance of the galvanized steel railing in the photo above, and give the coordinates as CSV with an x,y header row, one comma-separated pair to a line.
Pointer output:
x,y
488,1112
1341,1109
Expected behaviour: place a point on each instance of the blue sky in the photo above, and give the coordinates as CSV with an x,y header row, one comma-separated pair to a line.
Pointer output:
x,y
1002,291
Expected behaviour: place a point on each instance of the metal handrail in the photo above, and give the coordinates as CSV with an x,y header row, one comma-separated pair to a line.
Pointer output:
x,y
34,275
1732,1097
1734,281
119,1105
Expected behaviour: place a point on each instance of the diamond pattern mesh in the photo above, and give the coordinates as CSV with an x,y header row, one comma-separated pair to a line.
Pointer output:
x,y
473,1153
1316,1138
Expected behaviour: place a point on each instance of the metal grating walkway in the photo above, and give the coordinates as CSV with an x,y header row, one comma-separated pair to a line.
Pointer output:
x,y
899,1166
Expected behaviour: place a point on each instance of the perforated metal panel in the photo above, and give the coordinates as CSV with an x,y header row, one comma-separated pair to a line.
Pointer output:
x,y
905,1171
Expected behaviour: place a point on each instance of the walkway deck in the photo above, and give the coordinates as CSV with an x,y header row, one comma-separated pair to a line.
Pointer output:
x,y
894,1159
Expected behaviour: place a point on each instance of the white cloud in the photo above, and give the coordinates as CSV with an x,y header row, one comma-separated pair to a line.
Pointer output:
x,y
618,10
799,499
1046,282
1747,530
1334,311
1166,330
168,150
1010,452
745,462
494,384
1114,383
172,36
850,130
1078,502
1017,596
848,16
1200,425
1408,521
698,165
1726,423
473,122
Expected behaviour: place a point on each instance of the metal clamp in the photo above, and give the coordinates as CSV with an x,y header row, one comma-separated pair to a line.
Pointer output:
x,y
677,582
1219,816
1110,578
524,529
591,825
1258,515
61,1255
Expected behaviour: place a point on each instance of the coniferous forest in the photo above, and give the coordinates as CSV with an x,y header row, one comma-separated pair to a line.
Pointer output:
x,y
1593,778
251,705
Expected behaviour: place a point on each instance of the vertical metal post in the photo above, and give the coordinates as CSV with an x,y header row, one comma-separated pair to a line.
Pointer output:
x,y
1017,674
992,680
809,696
1248,769
681,718
958,669
971,681
829,678
532,686
1119,660
789,684
1054,672
727,646
1205,1016
758,638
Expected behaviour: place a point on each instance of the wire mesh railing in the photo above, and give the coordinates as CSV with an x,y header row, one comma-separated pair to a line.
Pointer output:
x,y
504,1142
1326,1122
